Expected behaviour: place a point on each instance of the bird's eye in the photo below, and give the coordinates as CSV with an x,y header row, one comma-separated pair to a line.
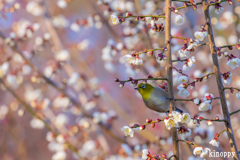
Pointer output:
x,y
143,86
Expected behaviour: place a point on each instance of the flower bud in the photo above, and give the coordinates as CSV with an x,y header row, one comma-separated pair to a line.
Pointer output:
x,y
153,125
130,78
150,76
116,80
209,122
158,120
164,156
128,14
142,127
217,118
176,11
121,84
148,120
150,53
225,54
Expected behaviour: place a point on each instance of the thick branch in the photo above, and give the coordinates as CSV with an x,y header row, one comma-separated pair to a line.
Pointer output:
x,y
169,75
219,80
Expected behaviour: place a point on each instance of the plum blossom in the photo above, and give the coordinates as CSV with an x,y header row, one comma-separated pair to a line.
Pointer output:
x,y
182,79
214,142
34,8
36,123
185,134
179,19
182,90
238,95
114,19
73,79
62,4
60,155
233,63
227,78
177,116
62,55
100,117
127,131
170,122
189,64
196,101
186,118
218,9
199,35
205,153
145,153
184,53
197,150
209,122
206,103
133,60
4,69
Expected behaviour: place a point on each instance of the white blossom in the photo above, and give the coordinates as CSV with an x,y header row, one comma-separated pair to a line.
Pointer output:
x,y
132,60
238,95
233,63
4,69
170,122
114,19
127,131
199,35
196,101
60,155
182,79
186,118
62,4
63,55
177,116
197,150
185,135
204,153
73,79
205,106
190,64
182,91
60,21
219,10
36,123
145,152
184,53
34,8
179,19
214,142
228,80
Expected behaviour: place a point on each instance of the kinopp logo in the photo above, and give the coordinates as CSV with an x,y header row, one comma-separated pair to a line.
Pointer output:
x,y
221,154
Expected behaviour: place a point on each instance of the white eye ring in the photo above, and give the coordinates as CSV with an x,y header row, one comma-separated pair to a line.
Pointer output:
x,y
143,86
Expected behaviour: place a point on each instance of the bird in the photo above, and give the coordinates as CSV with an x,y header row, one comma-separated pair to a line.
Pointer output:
x,y
155,98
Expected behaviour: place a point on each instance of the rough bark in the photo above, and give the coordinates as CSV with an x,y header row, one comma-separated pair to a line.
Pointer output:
x,y
213,49
169,75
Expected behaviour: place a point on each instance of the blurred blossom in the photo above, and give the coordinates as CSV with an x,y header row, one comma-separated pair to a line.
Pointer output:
x,y
62,4
36,123
60,120
63,55
73,79
54,146
3,111
83,45
4,69
61,102
100,117
31,95
87,147
75,27
60,155
34,8
60,21
12,81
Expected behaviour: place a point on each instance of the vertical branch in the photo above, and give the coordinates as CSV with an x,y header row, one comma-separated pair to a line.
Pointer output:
x,y
213,49
169,75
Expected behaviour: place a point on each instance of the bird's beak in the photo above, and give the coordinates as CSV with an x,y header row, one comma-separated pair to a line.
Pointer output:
x,y
137,88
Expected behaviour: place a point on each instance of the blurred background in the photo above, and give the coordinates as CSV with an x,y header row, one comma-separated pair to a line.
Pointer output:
x,y
74,43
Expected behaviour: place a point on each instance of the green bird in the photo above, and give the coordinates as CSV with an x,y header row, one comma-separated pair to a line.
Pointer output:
x,y
155,98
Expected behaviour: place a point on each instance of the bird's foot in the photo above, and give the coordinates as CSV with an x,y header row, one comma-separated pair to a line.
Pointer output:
x,y
170,98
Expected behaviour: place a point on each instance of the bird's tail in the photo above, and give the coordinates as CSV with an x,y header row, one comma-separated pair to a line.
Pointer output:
x,y
178,110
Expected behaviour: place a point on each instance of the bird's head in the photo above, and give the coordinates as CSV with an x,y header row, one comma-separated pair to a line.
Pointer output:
x,y
145,90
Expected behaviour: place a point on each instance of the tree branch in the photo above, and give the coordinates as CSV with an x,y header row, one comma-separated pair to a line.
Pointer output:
x,y
219,80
